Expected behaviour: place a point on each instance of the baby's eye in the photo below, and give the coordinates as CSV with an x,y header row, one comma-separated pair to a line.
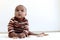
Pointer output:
x,y
22,10
17,10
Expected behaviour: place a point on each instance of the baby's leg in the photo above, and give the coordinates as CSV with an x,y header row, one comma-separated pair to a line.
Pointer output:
x,y
31,33
41,34
13,34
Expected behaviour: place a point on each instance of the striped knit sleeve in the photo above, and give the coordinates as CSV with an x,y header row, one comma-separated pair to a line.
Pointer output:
x,y
26,25
11,25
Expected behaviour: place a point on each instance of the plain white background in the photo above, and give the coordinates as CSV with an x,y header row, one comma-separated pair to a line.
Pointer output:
x,y
43,15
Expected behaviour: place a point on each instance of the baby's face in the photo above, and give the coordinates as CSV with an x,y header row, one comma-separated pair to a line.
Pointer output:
x,y
20,11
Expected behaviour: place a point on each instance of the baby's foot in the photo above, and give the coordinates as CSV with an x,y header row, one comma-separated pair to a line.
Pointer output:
x,y
15,37
42,34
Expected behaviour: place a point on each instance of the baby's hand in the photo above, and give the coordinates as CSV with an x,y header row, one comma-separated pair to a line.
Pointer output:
x,y
26,33
14,34
22,35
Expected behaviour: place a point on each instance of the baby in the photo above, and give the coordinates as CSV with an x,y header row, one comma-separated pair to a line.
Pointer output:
x,y
18,25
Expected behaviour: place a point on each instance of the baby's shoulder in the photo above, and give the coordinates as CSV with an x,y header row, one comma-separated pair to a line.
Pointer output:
x,y
13,18
25,19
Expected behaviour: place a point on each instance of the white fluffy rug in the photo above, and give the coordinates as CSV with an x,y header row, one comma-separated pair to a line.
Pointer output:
x,y
51,36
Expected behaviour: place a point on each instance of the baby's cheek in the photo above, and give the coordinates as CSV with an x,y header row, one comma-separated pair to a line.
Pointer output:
x,y
23,14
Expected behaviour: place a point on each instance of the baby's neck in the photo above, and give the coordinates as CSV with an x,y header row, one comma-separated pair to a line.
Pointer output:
x,y
20,18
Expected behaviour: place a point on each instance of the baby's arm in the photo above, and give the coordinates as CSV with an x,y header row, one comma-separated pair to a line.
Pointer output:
x,y
26,25
26,28
11,32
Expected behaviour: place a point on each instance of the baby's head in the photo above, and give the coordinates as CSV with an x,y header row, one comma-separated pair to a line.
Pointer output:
x,y
20,11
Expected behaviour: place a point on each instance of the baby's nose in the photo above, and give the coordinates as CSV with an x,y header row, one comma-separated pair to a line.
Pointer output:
x,y
19,11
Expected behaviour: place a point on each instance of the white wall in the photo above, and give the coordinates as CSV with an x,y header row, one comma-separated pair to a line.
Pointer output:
x,y
43,15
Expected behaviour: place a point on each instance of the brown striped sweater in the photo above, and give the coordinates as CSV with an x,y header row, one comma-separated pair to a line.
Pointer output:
x,y
18,26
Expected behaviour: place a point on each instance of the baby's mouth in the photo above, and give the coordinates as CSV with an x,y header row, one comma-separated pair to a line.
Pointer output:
x,y
19,14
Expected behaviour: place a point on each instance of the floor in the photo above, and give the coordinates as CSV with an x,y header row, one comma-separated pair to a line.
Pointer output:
x,y
51,36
